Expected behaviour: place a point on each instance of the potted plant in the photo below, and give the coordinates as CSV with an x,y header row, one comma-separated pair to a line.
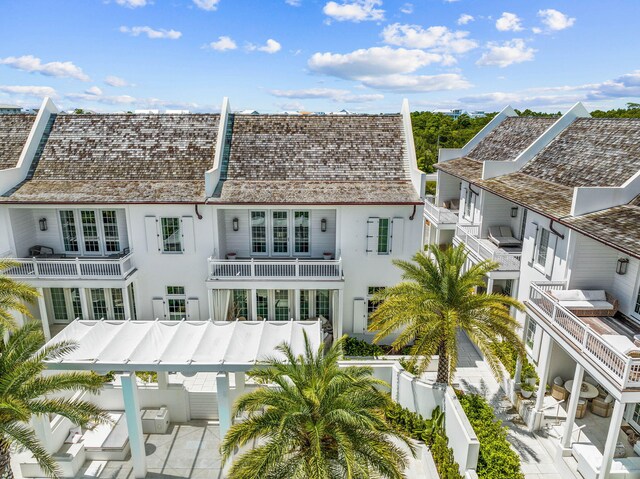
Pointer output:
x,y
327,255
526,390
231,256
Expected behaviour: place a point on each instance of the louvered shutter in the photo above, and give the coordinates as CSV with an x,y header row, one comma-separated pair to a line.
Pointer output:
x,y
193,309
158,308
397,236
188,237
372,235
153,234
359,316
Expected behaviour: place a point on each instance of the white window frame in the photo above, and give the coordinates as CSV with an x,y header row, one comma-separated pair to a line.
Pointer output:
x,y
636,301
536,249
68,304
267,235
470,203
387,236
528,331
369,301
175,297
180,250
100,231
269,232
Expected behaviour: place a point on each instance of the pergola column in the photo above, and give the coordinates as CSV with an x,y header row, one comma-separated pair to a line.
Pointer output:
x,y
224,403
134,424
126,304
573,407
42,427
44,317
240,382
543,363
254,305
163,379
339,316
296,306
84,304
612,439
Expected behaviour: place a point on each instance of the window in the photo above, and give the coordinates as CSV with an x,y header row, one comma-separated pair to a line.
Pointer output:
x,y
98,303
636,414
523,224
76,303
281,297
468,204
383,236
262,304
637,307
322,303
305,304
176,303
280,232
110,224
118,305
301,225
508,287
59,304
530,333
541,248
372,305
240,304
171,240
65,304
90,231
69,235
258,232
132,301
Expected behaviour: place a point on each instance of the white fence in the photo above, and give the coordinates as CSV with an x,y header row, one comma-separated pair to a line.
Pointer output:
x,y
438,214
623,370
275,268
80,268
478,247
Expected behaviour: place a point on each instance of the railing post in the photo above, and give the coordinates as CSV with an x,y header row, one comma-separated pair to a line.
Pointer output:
x,y
627,372
297,270
340,267
253,268
36,271
78,269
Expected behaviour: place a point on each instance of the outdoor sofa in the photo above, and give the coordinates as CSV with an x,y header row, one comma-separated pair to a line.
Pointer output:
x,y
586,302
502,236
590,460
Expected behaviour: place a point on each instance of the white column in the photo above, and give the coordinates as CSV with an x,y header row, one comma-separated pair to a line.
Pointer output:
x,y
224,403
134,424
240,382
296,305
338,316
126,303
572,407
44,317
254,305
83,303
517,377
612,439
543,363
489,285
163,379
210,303
42,427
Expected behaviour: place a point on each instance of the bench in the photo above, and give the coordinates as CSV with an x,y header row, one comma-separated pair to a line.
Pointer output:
x,y
586,302
69,458
590,460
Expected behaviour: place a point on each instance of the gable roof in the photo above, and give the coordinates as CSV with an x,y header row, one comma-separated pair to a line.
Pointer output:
x,y
123,158
14,131
319,159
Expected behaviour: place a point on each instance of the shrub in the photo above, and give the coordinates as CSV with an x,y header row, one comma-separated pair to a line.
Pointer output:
x,y
358,347
496,458
508,356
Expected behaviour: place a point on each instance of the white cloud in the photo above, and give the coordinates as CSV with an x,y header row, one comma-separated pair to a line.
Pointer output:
x,y
223,43
354,10
436,38
271,46
132,3
536,30
407,8
507,53
293,3
555,20
115,81
336,95
509,22
209,5
94,90
418,83
151,32
32,64
28,90
120,100
465,18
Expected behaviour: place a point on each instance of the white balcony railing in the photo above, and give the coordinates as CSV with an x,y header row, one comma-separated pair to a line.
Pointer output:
x,y
469,236
438,214
65,268
623,369
275,268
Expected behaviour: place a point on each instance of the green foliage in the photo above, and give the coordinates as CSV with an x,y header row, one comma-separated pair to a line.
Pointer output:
x,y
496,458
14,296
631,111
431,432
525,386
359,348
430,187
508,355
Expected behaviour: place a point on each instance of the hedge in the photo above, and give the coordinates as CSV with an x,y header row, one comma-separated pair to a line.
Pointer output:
x,y
359,348
496,460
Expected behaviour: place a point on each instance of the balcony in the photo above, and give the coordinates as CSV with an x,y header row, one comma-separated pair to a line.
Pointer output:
x,y
482,249
290,268
439,215
72,268
585,335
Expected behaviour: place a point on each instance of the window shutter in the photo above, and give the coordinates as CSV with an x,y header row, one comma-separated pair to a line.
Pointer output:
x,y
372,235
188,237
193,309
397,236
153,236
158,308
536,233
551,254
359,316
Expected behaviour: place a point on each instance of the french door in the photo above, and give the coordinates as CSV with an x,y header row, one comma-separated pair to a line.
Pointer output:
x,y
90,232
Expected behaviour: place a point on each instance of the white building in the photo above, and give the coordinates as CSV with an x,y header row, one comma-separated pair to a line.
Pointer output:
x,y
203,216
560,198
6,109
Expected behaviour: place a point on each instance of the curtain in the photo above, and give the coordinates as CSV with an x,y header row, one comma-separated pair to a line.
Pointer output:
x,y
221,298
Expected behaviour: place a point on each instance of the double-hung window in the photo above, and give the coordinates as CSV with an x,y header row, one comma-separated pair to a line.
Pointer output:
x,y
110,226
99,303
171,235
540,256
240,303
176,303
323,303
69,232
301,225
383,236
530,333
280,232
372,304
258,232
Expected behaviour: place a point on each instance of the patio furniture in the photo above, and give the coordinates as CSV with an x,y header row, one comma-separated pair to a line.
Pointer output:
x,y
581,410
586,302
452,205
502,236
40,251
587,391
622,344
589,460
600,407
108,442
559,392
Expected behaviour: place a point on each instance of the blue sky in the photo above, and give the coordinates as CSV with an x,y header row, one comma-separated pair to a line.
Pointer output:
x,y
319,55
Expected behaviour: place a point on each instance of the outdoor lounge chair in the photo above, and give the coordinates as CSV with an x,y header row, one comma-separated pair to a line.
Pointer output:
x,y
502,236
583,302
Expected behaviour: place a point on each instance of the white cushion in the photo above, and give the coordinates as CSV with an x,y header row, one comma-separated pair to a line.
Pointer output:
x,y
584,304
558,381
494,231
506,231
595,295
609,400
568,295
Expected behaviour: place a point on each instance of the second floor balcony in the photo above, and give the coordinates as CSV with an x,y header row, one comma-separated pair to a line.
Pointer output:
x,y
270,269
441,216
481,249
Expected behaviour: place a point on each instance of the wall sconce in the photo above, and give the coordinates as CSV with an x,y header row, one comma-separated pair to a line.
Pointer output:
x,y
621,267
514,211
43,224
323,225
236,224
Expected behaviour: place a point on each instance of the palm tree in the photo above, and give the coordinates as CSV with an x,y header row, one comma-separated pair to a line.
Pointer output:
x,y
320,421
25,392
436,299
13,297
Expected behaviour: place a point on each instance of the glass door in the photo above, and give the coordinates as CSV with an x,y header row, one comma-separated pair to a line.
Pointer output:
x,y
91,239
280,233
281,305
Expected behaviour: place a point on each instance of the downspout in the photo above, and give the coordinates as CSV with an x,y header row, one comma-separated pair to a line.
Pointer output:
x,y
197,212
413,215
561,236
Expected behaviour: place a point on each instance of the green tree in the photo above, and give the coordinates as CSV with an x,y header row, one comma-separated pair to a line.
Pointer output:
x,y
437,298
320,421
13,297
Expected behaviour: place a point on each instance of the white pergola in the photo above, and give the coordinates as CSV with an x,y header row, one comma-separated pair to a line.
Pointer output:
x,y
181,346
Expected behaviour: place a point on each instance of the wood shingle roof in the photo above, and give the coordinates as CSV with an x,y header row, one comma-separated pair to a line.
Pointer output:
x,y
14,131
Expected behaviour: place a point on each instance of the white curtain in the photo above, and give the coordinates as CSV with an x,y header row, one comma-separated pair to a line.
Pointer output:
x,y
221,298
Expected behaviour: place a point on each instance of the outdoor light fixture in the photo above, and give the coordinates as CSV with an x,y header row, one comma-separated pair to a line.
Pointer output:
x,y
623,263
43,224
236,224
514,211
323,225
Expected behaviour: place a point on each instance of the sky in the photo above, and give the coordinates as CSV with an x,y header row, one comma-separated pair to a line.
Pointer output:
x,y
319,55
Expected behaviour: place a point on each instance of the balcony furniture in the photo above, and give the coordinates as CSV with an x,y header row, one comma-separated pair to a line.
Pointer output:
x,y
39,251
600,407
559,392
108,442
502,236
622,344
590,460
586,302
581,410
452,205
587,391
